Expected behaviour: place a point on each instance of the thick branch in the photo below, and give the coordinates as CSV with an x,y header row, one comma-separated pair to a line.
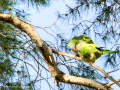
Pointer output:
x,y
47,54
28,29
82,81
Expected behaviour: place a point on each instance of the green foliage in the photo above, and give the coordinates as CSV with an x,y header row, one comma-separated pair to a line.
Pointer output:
x,y
103,25
63,42
15,48
8,38
98,19
13,86
5,5
37,3
12,46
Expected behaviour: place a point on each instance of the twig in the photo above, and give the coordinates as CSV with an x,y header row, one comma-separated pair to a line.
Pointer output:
x,y
9,35
46,52
113,71
111,83
14,47
117,2
75,57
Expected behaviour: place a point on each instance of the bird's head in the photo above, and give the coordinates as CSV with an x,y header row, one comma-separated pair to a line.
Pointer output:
x,y
72,44
83,38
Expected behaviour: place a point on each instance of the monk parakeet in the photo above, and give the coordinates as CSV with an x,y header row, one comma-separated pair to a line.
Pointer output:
x,y
84,47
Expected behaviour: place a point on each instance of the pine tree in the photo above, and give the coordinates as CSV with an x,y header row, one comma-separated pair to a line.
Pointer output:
x,y
22,50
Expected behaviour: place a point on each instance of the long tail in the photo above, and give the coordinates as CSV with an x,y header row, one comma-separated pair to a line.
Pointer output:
x,y
107,52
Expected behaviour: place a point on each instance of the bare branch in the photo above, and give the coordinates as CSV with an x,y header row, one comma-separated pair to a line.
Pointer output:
x,y
47,54
113,71
111,83
75,57
28,29
118,2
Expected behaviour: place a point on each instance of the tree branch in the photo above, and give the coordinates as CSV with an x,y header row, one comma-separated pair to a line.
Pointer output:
x,y
113,71
58,75
118,2
75,57
111,83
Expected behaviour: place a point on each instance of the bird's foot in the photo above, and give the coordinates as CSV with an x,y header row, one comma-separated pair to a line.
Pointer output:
x,y
91,63
77,56
75,50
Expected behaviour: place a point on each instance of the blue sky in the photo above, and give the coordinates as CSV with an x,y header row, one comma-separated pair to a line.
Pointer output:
x,y
46,17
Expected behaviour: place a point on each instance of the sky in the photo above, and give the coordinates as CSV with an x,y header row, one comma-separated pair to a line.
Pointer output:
x,y
45,17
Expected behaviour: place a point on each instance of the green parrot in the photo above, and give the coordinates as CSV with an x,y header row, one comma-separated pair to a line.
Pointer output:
x,y
84,47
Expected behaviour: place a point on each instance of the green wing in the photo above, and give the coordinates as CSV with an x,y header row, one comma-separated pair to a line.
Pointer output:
x,y
89,53
87,49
